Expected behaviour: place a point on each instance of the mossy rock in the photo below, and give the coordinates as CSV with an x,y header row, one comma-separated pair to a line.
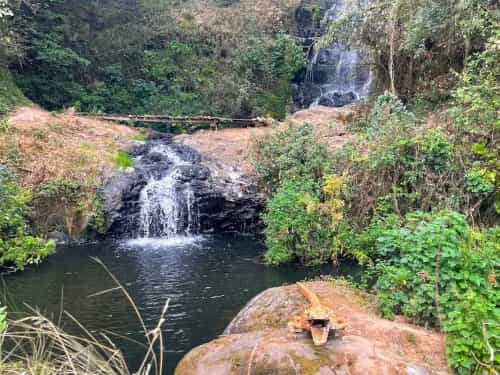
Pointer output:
x,y
261,312
257,341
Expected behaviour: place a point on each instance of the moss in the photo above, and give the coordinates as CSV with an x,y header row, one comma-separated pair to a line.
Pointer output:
x,y
139,138
307,366
123,161
237,360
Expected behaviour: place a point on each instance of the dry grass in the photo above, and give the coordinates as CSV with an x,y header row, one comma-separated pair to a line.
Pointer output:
x,y
61,147
36,345
45,148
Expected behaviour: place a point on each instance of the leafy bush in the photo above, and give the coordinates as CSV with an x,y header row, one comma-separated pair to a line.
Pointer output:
x,y
439,272
477,97
480,181
10,95
475,111
388,107
399,164
17,247
415,44
169,63
293,153
98,218
303,220
269,65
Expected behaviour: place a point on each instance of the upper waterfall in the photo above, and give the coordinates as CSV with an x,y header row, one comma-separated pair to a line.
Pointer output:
x,y
336,75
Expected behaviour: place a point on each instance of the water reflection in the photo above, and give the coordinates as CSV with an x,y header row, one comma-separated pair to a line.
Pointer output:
x,y
208,281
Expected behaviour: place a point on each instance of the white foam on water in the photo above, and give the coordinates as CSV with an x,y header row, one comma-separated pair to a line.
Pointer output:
x,y
164,243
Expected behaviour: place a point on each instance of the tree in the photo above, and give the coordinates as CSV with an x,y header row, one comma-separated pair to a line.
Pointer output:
x,y
413,42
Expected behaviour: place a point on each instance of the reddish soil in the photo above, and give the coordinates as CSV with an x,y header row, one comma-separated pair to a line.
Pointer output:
x,y
231,146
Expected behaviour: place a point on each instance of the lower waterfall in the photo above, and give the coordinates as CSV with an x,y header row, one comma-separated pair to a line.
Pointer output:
x,y
167,203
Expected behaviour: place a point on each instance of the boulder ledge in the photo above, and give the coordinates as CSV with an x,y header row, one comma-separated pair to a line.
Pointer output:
x,y
257,342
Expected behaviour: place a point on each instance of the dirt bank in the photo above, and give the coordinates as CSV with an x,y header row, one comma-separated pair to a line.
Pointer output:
x,y
230,147
52,147
63,159
258,343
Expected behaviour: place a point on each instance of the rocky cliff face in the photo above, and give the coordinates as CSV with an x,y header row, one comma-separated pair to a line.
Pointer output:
x,y
218,202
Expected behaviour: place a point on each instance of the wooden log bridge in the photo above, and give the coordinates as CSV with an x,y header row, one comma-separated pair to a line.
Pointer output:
x,y
212,121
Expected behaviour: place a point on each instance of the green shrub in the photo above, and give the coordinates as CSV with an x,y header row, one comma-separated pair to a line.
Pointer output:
x,y
477,97
475,111
295,227
305,221
123,161
410,166
10,95
98,217
65,189
290,154
439,272
480,180
388,107
17,247
267,66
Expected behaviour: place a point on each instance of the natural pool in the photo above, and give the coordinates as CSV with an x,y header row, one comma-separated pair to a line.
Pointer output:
x,y
208,281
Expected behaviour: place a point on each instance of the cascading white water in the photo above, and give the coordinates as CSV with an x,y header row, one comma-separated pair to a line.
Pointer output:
x,y
168,207
339,72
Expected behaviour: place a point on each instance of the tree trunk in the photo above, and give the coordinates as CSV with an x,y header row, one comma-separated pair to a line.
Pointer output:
x,y
392,26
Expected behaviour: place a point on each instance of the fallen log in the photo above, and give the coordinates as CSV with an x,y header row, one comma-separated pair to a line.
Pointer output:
x,y
213,121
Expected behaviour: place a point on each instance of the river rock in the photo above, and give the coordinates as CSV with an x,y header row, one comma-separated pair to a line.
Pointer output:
x,y
257,342
335,99
59,237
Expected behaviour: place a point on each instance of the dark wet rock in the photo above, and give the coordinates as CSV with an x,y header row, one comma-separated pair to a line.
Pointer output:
x,y
223,204
119,189
335,99
59,237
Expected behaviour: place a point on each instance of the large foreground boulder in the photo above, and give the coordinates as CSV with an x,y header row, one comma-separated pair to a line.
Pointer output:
x,y
257,342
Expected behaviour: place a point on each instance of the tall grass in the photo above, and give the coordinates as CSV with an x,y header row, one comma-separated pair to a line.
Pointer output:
x,y
36,345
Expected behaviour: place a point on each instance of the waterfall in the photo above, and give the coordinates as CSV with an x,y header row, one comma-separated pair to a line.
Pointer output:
x,y
337,75
167,203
